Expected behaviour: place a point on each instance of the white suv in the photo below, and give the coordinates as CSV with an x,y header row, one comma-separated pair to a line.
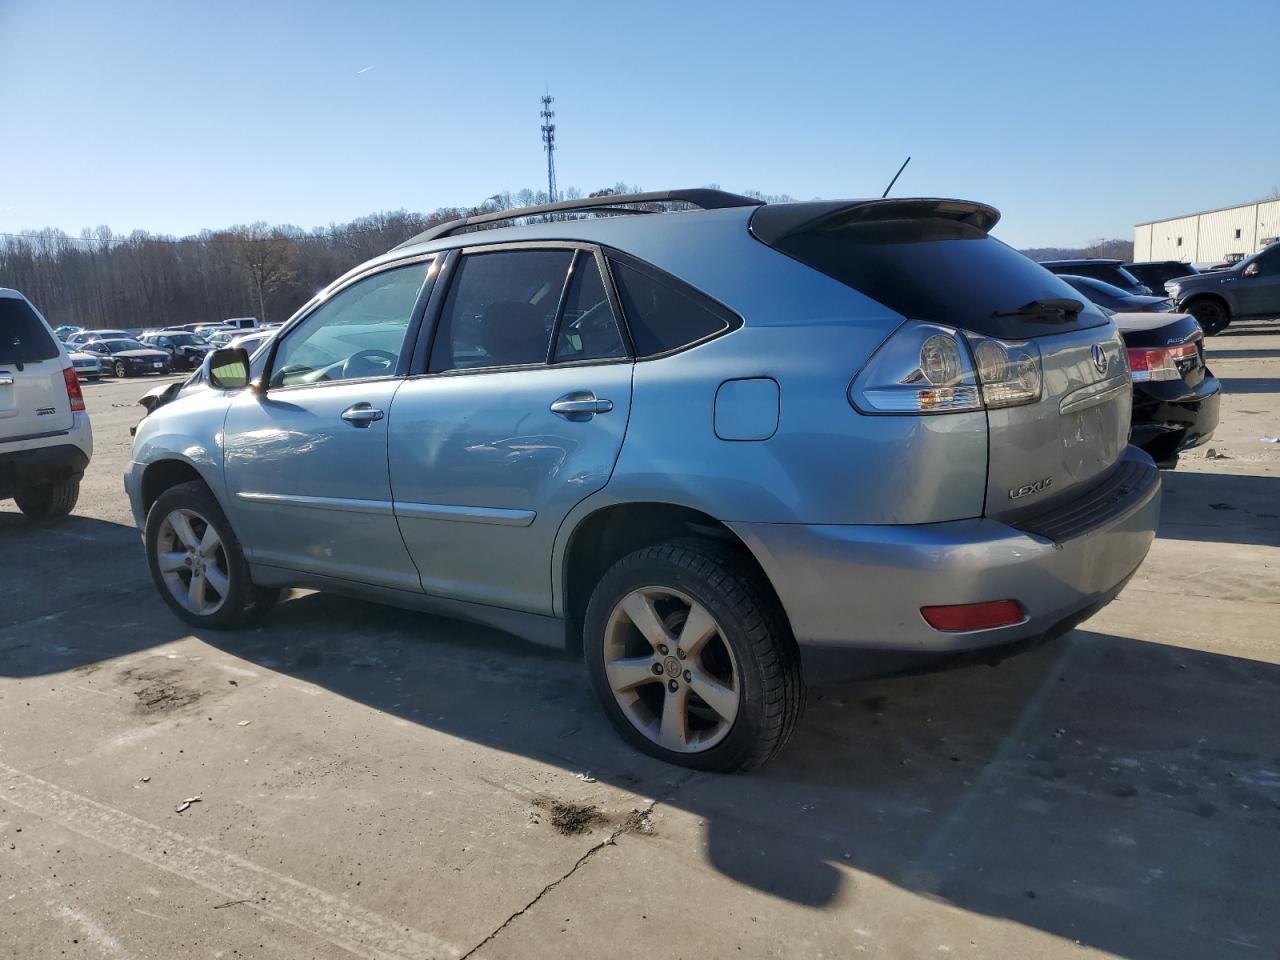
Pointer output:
x,y
45,437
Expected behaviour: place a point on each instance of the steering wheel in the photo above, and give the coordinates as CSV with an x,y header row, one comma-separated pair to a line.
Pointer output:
x,y
368,363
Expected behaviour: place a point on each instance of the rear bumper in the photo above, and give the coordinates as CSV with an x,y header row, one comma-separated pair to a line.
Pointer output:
x,y
40,465
1168,418
862,587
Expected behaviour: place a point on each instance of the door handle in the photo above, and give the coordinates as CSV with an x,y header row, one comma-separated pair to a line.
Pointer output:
x,y
581,405
362,414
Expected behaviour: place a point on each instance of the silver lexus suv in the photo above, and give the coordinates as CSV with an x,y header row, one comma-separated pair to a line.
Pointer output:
x,y
700,446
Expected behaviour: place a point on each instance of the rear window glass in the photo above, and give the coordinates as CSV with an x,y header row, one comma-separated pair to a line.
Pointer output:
x,y
661,316
939,270
23,337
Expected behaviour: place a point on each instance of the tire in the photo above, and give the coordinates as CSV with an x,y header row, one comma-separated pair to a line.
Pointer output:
x,y
121,370
1212,315
51,501
227,598
750,656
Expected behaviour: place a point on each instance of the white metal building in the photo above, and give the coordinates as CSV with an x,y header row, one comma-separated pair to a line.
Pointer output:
x,y
1210,236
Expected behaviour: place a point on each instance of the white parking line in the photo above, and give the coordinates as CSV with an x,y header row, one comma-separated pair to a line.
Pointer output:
x,y
361,932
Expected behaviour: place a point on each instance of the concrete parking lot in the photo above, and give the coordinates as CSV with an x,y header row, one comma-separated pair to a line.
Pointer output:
x,y
383,784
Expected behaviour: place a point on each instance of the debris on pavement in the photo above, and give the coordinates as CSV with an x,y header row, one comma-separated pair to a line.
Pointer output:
x,y
586,778
1213,454
1271,439
186,803
144,779
570,818
244,723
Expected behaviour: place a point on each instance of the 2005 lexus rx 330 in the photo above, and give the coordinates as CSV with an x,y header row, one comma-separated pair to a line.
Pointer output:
x,y
700,445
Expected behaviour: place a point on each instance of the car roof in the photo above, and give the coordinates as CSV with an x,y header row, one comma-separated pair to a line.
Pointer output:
x,y
1082,262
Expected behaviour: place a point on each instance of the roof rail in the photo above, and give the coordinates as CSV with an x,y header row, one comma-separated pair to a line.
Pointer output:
x,y
702,197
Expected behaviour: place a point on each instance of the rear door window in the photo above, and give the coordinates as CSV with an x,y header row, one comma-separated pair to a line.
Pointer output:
x,y
662,313
500,310
23,337
588,330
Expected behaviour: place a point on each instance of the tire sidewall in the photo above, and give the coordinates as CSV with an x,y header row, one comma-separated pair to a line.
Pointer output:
x,y
633,573
197,497
1222,318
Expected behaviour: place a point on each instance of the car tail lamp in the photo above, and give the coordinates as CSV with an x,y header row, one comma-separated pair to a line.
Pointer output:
x,y
929,368
74,393
962,617
1159,363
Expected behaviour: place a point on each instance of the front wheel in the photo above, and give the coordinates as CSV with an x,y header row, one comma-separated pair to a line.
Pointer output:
x,y
50,501
692,658
1212,315
121,370
197,563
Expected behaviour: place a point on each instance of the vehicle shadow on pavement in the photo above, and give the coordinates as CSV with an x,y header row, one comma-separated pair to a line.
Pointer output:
x,y
1221,508
43,571
1232,384
1115,792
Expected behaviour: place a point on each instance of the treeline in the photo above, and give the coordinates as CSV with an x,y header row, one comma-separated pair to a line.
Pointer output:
x,y
101,279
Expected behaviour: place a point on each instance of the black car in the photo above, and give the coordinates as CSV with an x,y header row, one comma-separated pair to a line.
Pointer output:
x,y
186,350
1175,396
1113,298
1248,290
1109,271
129,358
1156,273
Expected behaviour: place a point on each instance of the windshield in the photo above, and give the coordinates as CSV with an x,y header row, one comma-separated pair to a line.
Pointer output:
x,y
187,339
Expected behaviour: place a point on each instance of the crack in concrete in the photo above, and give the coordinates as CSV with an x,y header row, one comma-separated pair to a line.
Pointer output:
x,y
608,841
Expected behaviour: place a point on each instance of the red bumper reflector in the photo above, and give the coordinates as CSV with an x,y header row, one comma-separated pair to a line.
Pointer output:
x,y
974,616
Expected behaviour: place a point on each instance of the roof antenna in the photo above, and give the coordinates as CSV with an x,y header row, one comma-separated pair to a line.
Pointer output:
x,y
895,178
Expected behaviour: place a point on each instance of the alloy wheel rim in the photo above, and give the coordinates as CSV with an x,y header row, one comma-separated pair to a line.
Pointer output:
x,y
671,670
192,560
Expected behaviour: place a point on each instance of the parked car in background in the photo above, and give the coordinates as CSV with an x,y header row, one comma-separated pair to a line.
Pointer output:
x,y
1175,395
1113,298
677,442
242,323
1109,271
88,336
1229,261
1248,290
1156,273
88,366
207,329
66,330
220,338
250,343
45,437
186,350
129,358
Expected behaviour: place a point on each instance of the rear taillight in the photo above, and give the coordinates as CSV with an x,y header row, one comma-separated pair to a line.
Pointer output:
x,y
1159,363
74,393
929,368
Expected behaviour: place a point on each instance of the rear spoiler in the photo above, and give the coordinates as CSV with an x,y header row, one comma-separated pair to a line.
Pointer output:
x,y
774,222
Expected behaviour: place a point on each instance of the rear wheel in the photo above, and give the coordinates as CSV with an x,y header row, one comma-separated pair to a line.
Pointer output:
x,y
49,501
121,370
1212,315
692,658
197,563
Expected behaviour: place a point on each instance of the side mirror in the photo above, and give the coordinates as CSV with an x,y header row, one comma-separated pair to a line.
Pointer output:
x,y
1251,270
227,369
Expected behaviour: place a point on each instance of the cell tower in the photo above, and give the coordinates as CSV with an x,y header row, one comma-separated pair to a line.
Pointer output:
x,y
549,144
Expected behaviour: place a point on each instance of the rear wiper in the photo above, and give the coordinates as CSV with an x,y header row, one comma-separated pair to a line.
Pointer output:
x,y
1054,309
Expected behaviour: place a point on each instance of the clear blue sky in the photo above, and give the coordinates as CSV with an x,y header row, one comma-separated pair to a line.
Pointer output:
x,y
1077,119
